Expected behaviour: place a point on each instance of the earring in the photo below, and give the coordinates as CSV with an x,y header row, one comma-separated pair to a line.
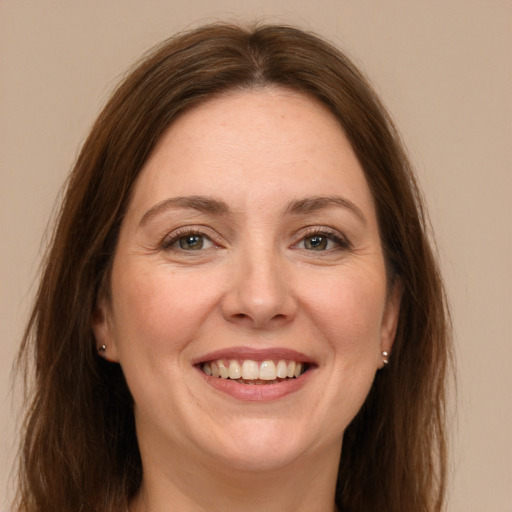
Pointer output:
x,y
103,348
385,355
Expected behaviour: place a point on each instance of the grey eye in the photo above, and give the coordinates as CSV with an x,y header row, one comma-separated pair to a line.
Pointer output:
x,y
316,243
191,242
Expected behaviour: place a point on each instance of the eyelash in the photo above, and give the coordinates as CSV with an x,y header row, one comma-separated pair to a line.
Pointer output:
x,y
173,238
330,235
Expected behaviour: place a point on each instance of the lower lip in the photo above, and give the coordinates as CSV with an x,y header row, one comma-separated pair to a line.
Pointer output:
x,y
257,392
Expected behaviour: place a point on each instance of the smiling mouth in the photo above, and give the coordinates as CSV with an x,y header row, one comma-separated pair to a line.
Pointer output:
x,y
253,372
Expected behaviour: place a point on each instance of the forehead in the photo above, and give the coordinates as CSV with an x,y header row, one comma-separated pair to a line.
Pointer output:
x,y
255,143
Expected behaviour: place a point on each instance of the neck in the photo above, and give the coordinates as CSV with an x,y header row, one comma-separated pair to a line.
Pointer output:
x,y
197,486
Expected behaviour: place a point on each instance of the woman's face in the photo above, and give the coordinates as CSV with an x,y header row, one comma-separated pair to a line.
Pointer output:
x,y
250,249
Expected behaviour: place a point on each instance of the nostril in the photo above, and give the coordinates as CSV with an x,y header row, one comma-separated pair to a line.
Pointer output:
x,y
244,317
247,308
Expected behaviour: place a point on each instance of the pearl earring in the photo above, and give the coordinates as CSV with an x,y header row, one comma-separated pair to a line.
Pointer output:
x,y
385,356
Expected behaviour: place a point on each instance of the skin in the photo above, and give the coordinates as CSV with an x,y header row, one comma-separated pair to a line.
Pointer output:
x,y
258,283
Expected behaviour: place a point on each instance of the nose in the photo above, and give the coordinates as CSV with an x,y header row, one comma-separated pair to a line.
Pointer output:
x,y
260,291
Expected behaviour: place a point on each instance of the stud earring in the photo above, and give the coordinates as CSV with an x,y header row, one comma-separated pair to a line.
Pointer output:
x,y
385,356
103,348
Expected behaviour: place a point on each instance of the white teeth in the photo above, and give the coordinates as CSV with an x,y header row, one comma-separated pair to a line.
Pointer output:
x,y
268,370
215,369
224,372
235,371
291,369
250,370
282,369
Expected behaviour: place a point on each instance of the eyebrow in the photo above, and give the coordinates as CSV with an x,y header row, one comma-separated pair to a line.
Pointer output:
x,y
317,203
199,203
217,207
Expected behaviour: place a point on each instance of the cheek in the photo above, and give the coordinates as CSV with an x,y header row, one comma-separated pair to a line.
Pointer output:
x,y
159,312
349,311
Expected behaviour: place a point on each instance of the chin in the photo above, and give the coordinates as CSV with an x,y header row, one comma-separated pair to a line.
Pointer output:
x,y
261,445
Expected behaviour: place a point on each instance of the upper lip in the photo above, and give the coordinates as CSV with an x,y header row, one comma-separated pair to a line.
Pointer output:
x,y
255,354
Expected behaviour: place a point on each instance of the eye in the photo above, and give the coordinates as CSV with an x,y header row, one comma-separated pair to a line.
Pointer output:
x,y
187,241
322,241
316,243
191,242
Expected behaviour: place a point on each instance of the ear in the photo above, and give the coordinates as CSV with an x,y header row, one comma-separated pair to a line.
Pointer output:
x,y
390,318
103,332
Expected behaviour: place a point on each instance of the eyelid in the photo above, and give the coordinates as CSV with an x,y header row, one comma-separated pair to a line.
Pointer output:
x,y
331,233
171,238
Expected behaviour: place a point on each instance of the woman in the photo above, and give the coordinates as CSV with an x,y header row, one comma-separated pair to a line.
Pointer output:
x,y
240,309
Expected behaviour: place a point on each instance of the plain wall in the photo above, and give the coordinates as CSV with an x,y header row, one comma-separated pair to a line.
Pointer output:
x,y
444,70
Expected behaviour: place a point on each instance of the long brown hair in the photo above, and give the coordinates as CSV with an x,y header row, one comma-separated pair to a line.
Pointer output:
x,y
80,450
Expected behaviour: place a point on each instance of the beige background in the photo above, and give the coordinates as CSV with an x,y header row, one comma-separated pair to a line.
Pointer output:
x,y
442,67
